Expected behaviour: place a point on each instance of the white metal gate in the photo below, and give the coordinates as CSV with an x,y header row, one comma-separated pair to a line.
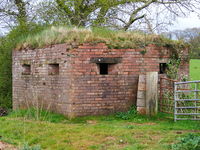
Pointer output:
x,y
187,100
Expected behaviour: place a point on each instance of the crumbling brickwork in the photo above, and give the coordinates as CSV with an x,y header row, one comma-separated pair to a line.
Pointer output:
x,y
87,80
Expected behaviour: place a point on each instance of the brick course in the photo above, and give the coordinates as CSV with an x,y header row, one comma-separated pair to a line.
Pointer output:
x,y
79,89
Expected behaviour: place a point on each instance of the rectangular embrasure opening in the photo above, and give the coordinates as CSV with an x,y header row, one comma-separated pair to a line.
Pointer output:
x,y
103,68
26,69
53,69
163,68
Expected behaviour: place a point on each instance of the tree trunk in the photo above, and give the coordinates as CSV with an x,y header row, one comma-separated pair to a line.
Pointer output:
x,y
22,14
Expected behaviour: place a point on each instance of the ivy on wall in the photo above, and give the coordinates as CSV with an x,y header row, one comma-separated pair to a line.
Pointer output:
x,y
179,53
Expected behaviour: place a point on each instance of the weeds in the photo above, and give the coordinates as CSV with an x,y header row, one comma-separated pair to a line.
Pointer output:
x,y
189,142
127,115
38,115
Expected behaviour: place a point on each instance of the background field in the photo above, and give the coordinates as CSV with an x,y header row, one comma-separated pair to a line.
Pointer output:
x,y
195,69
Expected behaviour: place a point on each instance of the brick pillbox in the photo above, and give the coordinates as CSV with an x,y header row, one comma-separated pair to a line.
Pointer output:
x,y
87,80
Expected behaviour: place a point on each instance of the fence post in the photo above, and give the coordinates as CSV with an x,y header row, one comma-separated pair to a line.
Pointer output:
x,y
152,93
175,104
197,102
161,95
196,97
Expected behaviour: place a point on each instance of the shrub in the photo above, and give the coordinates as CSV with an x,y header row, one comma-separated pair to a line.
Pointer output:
x,y
189,142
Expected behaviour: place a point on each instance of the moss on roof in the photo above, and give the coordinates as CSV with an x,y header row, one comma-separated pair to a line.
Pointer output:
x,y
114,39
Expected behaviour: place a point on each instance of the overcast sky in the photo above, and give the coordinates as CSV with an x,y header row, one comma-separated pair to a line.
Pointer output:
x,y
181,23
192,21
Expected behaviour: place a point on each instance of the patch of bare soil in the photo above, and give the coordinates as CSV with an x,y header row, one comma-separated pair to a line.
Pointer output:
x,y
92,122
110,138
5,146
187,131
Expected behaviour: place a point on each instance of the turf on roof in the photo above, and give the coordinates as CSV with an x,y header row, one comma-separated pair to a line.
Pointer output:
x,y
114,39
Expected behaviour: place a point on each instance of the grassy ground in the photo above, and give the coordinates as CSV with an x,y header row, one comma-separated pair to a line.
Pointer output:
x,y
91,133
55,132
195,69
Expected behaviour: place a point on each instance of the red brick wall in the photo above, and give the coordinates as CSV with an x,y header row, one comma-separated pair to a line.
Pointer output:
x,y
39,88
79,89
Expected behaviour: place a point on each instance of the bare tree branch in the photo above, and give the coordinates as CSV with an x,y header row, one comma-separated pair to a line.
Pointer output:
x,y
133,17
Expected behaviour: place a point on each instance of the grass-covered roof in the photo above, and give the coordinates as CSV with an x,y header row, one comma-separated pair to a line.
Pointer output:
x,y
114,39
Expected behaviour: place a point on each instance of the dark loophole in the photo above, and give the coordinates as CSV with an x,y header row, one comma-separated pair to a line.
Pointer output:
x,y
26,69
103,68
163,68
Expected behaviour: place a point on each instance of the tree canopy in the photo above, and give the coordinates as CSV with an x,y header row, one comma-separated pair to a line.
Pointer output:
x,y
117,14
192,36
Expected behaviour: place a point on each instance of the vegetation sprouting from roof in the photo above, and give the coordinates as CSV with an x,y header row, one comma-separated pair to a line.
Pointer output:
x,y
114,39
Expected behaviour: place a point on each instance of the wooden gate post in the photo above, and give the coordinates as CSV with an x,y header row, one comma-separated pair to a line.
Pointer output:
x,y
152,93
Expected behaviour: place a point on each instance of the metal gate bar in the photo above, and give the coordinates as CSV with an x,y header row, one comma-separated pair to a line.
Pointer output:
x,y
181,103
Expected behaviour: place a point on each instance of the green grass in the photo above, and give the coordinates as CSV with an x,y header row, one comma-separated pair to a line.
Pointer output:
x,y
55,132
195,69
37,115
77,36
94,133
